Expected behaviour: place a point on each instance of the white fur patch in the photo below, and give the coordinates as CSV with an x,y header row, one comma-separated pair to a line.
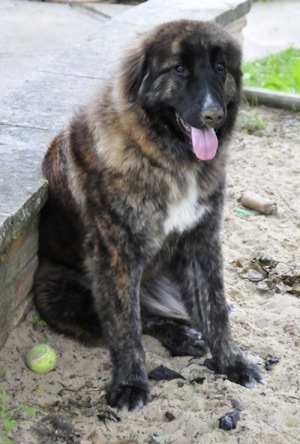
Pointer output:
x,y
208,100
186,211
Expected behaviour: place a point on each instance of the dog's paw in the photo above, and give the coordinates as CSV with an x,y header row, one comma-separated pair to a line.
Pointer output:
x,y
128,397
245,373
187,342
241,371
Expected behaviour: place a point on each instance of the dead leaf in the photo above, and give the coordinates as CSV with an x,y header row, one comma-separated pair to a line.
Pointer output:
x,y
261,268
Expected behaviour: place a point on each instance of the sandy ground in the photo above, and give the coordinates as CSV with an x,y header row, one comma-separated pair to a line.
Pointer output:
x,y
68,405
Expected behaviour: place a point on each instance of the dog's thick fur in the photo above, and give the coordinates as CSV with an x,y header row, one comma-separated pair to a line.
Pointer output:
x,y
129,238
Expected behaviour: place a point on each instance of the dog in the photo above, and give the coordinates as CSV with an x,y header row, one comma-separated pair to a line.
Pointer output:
x,y
130,234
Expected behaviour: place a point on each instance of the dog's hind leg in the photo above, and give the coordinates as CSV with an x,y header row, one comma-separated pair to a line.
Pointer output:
x,y
179,338
63,298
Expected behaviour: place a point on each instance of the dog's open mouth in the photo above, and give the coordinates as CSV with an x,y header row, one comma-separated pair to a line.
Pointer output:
x,y
204,141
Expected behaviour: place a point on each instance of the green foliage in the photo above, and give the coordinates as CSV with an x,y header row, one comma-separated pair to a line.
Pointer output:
x,y
7,421
5,440
251,121
280,72
29,410
37,321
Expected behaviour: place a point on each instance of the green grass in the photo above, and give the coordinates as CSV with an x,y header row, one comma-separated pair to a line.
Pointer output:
x,y
7,421
280,72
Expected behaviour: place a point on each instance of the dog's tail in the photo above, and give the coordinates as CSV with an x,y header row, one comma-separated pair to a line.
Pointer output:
x,y
161,297
63,299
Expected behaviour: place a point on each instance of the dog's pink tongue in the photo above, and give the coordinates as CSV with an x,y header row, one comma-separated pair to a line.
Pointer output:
x,y
205,143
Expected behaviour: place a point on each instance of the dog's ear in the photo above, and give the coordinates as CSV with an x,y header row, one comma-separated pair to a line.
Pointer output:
x,y
133,71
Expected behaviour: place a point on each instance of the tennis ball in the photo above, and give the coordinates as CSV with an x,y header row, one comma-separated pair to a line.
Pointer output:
x,y
41,358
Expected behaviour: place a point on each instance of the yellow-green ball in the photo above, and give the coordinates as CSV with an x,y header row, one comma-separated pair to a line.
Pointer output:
x,y
41,358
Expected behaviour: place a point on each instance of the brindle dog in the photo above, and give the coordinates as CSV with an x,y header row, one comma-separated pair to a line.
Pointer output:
x,y
130,235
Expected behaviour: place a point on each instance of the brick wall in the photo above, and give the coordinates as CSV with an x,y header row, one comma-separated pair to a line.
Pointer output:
x,y
18,262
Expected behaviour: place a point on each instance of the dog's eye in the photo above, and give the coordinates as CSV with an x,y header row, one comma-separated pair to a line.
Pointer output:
x,y
180,69
221,67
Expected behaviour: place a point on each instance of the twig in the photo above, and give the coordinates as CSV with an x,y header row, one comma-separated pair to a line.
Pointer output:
x,y
284,200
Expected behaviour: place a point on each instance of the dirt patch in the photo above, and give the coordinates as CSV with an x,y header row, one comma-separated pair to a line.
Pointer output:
x,y
68,405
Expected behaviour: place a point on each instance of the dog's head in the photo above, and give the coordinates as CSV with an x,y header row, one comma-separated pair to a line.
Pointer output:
x,y
187,74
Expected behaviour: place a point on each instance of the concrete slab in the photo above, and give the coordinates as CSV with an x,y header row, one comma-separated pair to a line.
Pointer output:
x,y
21,151
272,26
145,18
107,9
47,101
33,33
92,57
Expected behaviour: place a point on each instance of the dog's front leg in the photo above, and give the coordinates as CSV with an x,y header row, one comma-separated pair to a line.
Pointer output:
x,y
200,275
116,282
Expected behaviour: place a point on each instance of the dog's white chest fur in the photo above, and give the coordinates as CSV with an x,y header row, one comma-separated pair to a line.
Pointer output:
x,y
185,211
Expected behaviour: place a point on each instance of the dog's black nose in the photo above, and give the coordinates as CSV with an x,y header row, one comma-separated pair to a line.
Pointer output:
x,y
212,116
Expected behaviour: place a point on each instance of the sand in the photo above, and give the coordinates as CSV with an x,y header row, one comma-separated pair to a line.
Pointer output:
x,y
68,405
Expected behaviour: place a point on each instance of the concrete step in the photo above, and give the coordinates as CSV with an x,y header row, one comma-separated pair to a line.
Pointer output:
x,y
32,33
